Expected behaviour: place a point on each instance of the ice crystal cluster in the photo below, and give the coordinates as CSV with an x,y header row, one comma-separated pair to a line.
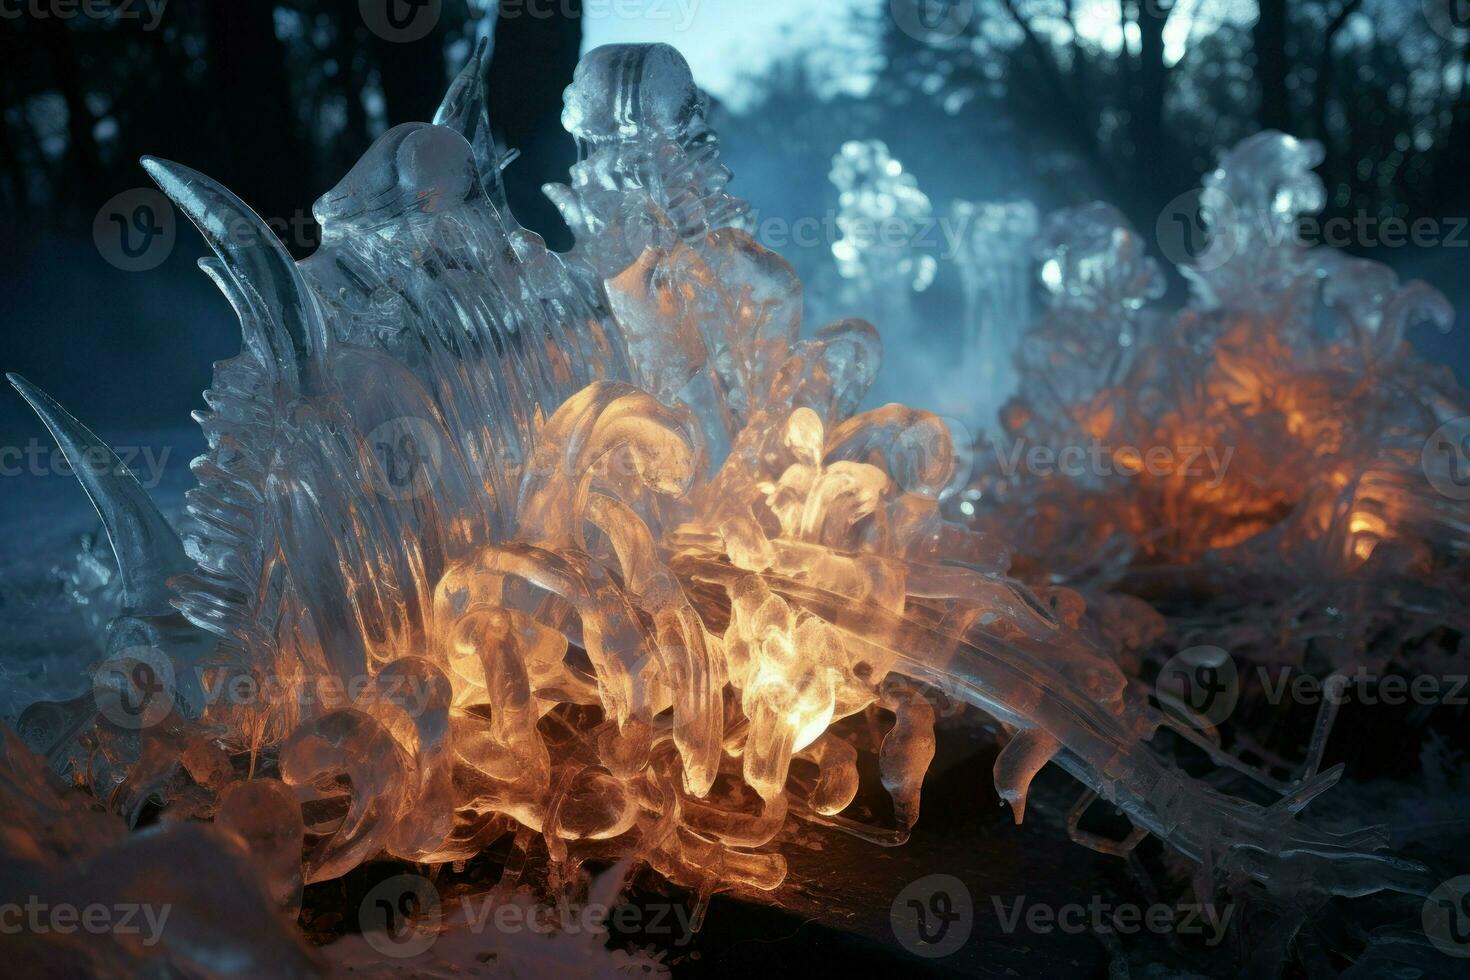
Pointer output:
x,y
1274,453
596,550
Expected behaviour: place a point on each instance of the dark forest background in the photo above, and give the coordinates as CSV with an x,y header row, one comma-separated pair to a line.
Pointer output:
x,y
1057,100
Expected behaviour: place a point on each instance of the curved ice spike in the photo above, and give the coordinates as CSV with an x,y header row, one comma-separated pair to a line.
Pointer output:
x,y
147,548
463,110
289,330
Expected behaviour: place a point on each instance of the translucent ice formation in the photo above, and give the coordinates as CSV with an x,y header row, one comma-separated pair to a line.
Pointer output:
x,y
995,265
1276,441
592,549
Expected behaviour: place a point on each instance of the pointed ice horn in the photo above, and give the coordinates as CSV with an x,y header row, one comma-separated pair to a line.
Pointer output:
x,y
290,328
466,96
464,111
147,548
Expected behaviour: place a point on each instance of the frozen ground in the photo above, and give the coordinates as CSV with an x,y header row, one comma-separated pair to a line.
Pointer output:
x,y
52,599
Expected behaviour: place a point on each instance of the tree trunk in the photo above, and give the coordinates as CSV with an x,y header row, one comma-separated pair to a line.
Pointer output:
x,y
81,147
261,155
532,64
1269,41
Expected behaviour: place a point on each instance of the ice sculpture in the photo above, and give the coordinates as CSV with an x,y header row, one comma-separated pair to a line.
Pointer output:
x,y
592,549
1296,485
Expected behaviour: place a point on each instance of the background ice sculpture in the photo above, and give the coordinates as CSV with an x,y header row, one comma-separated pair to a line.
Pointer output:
x,y
995,242
594,550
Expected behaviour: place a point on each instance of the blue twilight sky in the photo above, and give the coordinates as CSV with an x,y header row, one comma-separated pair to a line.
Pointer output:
x,y
721,38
